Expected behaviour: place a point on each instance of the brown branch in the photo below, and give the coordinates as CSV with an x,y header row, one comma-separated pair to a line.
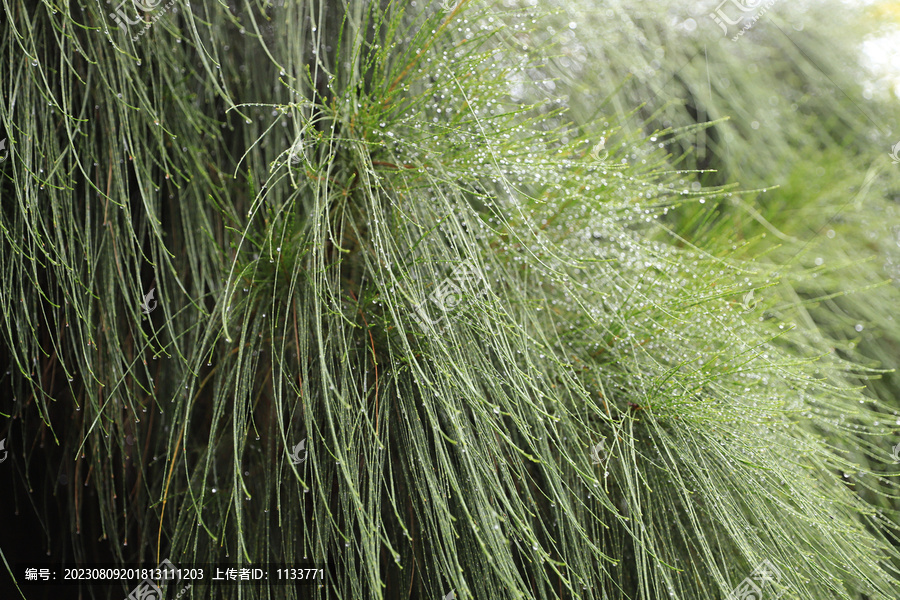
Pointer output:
x,y
415,61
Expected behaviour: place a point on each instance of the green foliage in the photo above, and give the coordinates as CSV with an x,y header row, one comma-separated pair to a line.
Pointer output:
x,y
515,335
